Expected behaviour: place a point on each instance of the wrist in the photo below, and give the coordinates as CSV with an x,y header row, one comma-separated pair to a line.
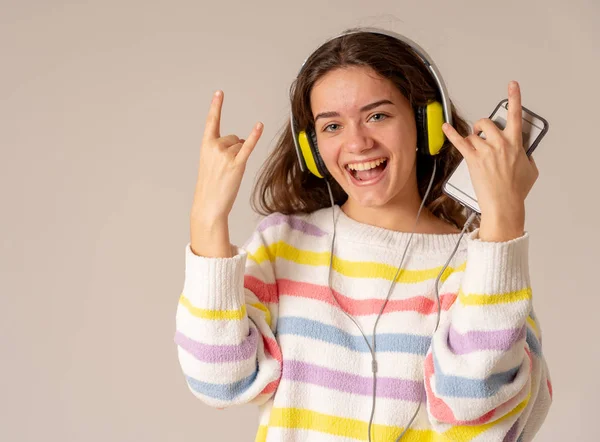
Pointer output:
x,y
502,225
209,223
210,237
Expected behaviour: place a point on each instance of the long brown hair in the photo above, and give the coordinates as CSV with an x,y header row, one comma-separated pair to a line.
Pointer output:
x,y
281,185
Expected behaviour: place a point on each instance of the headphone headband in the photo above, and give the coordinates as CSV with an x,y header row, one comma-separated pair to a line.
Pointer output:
x,y
421,53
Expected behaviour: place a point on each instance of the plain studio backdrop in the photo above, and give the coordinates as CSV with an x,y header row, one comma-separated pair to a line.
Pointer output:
x,y
102,112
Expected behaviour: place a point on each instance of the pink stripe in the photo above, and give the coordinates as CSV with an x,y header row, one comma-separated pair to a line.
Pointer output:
x,y
270,387
358,307
442,411
266,293
439,409
272,347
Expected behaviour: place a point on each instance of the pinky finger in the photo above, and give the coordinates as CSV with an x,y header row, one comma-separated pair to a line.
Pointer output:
x,y
249,144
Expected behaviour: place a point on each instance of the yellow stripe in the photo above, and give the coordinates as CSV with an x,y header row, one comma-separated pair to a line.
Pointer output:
x,y
295,418
261,434
263,254
355,269
533,326
260,306
467,432
216,315
502,298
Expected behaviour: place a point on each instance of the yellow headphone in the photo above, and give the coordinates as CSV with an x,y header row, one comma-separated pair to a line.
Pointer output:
x,y
429,118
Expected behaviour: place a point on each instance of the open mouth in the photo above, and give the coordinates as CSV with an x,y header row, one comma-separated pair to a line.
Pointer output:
x,y
367,171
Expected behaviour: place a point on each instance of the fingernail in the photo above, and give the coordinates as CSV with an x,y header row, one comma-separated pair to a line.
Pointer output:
x,y
218,93
513,85
259,126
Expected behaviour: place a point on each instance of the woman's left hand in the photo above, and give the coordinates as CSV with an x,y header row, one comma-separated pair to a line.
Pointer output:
x,y
501,172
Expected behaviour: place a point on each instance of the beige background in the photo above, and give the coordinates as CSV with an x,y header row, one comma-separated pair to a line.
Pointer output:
x,y
102,111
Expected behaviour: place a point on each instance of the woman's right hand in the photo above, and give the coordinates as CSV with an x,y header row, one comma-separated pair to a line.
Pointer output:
x,y
220,172
221,168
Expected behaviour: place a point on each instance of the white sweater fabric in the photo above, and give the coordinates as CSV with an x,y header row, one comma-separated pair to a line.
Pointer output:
x,y
262,328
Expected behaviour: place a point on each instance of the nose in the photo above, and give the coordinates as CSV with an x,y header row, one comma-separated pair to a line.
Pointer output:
x,y
357,138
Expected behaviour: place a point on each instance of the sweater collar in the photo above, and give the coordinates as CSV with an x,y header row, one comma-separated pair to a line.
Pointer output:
x,y
351,230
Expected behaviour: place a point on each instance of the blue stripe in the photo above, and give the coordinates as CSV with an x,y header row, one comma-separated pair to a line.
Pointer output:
x,y
534,344
387,342
224,392
459,386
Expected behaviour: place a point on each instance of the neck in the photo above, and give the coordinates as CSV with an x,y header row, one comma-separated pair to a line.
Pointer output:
x,y
398,215
399,218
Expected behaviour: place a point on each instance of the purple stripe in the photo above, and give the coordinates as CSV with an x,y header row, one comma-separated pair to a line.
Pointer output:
x,y
293,222
394,388
501,340
218,354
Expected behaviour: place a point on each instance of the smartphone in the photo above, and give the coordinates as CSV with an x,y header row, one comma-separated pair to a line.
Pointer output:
x,y
458,185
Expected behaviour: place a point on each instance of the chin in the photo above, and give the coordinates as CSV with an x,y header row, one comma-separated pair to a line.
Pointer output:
x,y
369,200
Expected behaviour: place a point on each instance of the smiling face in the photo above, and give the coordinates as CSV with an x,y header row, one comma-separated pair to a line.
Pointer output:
x,y
366,133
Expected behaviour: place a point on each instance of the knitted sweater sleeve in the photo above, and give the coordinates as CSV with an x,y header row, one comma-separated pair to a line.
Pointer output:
x,y
225,326
485,362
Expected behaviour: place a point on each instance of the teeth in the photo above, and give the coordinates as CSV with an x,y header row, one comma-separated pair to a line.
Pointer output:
x,y
366,166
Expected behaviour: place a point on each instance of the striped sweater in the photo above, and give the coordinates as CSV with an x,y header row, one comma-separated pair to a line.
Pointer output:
x,y
262,328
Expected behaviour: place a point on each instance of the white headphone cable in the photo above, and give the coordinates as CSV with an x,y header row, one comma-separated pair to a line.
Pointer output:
x,y
372,347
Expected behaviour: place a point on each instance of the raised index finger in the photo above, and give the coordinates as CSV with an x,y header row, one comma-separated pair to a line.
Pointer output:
x,y
212,129
515,112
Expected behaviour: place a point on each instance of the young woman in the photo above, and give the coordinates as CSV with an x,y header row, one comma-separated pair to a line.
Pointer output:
x,y
355,311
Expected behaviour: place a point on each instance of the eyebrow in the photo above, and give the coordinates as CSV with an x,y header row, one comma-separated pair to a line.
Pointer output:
x,y
362,109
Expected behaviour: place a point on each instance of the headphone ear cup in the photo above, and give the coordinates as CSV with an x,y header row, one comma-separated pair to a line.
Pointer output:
x,y
317,156
421,121
307,151
433,121
429,120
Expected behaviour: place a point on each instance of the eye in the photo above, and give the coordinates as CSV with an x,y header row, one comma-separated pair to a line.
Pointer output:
x,y
328,126
379,119
325,129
